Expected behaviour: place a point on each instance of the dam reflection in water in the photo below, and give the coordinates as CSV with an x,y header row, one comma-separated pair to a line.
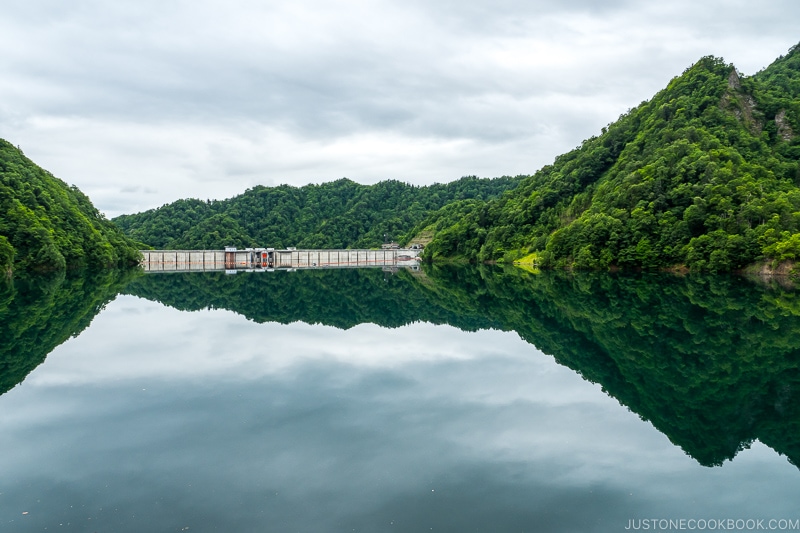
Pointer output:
x,y
445,399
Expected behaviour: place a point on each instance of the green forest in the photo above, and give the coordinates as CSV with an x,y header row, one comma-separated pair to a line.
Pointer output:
x,y
48,225
338,214
705,175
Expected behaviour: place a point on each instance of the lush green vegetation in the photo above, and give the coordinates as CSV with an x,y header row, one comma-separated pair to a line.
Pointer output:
x,y
39,312
706,175
340,214
47,225
711,361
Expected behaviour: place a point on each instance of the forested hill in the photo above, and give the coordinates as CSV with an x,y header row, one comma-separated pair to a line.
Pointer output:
x,y
47,225
704,175
339,214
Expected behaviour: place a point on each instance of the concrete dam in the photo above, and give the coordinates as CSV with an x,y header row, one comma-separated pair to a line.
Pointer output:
x,y
232,260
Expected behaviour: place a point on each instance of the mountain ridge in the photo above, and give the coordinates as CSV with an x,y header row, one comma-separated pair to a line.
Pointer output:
x,y
48,225
337,214
704,175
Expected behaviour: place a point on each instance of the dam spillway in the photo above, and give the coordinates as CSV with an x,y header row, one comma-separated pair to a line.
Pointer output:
x,y
232,260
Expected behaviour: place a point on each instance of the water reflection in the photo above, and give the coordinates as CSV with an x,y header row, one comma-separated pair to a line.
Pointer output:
x,y
711,361
313,416
38,313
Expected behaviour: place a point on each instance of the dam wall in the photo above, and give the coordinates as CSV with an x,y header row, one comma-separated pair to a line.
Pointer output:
x,y
232,259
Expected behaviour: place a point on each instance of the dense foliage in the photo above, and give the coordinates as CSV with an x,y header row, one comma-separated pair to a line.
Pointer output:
x,y
47,225
339,214
706,174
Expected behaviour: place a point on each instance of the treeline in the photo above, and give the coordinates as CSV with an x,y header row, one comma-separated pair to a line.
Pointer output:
x,y
339,214
705,175
47,225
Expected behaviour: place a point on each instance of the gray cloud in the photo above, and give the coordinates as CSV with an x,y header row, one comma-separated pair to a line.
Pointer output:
x,y
206,99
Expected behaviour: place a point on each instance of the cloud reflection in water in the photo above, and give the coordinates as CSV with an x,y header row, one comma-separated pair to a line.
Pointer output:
x,y
155,420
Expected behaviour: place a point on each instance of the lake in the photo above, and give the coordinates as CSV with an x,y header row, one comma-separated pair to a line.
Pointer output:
x,y
446,399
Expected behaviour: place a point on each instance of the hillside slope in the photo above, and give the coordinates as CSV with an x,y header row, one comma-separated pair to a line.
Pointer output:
x,y
47,225
339,214
705,175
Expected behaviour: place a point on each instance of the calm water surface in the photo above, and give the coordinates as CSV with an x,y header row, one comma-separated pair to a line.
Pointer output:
x,y
372,401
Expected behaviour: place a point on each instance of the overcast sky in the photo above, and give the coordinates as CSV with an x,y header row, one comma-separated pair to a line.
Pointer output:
x,y
142,103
